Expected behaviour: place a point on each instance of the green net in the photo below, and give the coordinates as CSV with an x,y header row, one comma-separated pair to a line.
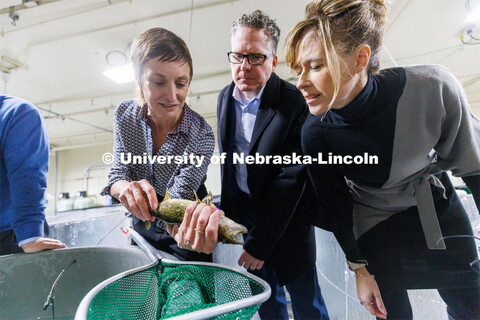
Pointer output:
x,y
172,289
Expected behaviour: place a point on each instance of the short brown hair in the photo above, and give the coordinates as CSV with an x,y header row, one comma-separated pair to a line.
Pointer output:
x,y
158,43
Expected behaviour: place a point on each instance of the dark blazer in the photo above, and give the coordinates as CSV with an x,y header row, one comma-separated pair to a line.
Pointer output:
x,y
281,232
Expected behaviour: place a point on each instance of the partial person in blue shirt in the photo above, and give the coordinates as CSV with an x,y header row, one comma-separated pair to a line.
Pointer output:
x,y
23,178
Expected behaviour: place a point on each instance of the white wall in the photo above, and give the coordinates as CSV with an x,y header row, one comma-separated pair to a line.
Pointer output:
x,y
213,182
71,167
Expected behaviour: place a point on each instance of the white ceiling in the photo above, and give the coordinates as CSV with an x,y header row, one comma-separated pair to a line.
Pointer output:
x,y
61,46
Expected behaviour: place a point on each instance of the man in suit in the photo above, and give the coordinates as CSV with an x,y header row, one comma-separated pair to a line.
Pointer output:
x,y
261,113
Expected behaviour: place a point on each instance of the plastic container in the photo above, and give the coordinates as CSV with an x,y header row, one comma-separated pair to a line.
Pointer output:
x,y
65,203
83,201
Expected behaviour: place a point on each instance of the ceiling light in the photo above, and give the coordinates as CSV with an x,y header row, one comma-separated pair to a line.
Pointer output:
x,y
30,3
121,74
473,15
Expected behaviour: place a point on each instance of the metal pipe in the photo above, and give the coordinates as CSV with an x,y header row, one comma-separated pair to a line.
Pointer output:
x,y
127,23
55,184
85,174
85,145
67,115
76,120
91,96
472,81
55,140
389,56
77,113
43,2
392,22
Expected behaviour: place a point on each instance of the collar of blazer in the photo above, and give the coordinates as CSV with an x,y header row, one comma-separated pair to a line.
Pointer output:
x,y
265,113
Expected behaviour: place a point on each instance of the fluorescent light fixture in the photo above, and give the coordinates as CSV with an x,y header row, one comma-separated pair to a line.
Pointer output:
x,y
121,74
473,16
30,3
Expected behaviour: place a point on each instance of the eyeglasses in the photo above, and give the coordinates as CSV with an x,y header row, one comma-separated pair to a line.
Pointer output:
x,y
255,59
475,265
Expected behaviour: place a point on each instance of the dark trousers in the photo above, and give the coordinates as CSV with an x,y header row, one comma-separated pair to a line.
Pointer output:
x,y
158,237
462,304
305,294
8,241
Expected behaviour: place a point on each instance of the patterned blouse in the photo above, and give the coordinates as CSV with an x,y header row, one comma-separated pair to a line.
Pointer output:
x,y
179,175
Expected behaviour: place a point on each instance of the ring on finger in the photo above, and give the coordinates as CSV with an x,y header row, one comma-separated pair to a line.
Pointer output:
x,y
199,231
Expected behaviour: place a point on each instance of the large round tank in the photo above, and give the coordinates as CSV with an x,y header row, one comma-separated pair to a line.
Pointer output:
x,y
26,279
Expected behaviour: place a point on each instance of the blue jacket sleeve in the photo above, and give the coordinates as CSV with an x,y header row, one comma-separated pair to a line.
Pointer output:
x,y
25,150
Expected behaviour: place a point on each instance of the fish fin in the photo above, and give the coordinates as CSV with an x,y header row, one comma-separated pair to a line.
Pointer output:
x,y
210,197
167,196
196,198
148,224
169,227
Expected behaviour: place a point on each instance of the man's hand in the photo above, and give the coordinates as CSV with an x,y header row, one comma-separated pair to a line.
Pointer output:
x,y
43,244
249,262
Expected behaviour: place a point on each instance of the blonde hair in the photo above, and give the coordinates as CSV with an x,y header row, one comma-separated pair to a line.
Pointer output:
x,y
340,26
157,43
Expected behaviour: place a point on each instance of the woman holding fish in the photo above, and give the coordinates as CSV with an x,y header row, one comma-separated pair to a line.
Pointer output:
x,y
160,123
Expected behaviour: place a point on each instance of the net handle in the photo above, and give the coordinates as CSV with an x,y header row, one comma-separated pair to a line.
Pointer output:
x,y
225,308
146,247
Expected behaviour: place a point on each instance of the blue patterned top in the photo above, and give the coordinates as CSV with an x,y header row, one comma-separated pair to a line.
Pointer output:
x,y
133,135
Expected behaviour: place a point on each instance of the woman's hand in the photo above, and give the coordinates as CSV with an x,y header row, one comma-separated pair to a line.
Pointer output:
x,y
369,293
133,196
41,244
199,229
249,262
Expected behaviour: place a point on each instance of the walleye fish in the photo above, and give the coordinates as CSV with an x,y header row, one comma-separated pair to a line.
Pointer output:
x,y
172,211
